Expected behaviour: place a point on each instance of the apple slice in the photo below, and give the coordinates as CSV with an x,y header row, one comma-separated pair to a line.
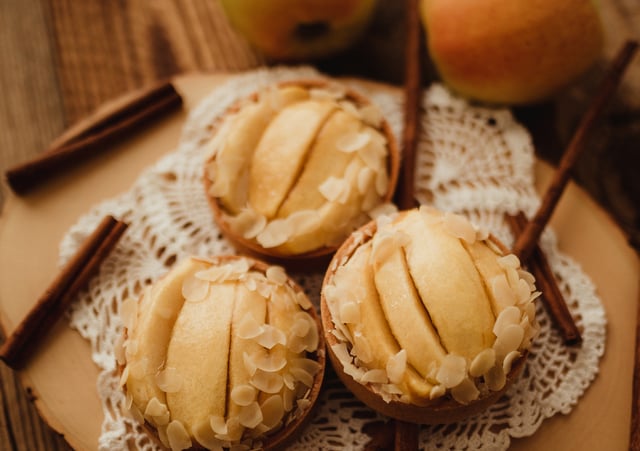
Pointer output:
x,y
245,130
249,306
156,317
405,312
376,328
199,354
325,160
450,287
281,152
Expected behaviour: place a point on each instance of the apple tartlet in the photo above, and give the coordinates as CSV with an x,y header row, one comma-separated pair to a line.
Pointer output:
x,y
222,353
426,318
295,168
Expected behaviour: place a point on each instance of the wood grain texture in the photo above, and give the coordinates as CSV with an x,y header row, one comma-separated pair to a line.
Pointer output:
x,y
63,58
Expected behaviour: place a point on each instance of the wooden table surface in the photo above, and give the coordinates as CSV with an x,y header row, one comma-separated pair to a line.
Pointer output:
x,y
62,58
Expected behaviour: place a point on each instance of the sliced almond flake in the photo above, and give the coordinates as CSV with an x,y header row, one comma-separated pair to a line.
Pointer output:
x,y
124,377
194,289
334,189
249,328
459,226
365,178
248,223
352,142
493,246
214,274
512,277
271,336
373,157
392,389
530,311
169,380
452,371
510,315
528,277
289,380
303,300
264,288
502,291
330,92
288,398
131,347
311,340
384,210
303,221
155,408
250,416
309,365
267,382
339,335
272,360
119,349
300,374
244,394
274,234
272,411
508,361
495,378
129,313
382,183
523,291
534,295
362,348
178,436
206,437
371,115
349,312
276,274
301,325
341,352
509,340
509,261
375,376
465,392
234,429
384,244
303,403
396,366
482,362
218,424
249,363
437,391
349,107
162,435
355,372
482,233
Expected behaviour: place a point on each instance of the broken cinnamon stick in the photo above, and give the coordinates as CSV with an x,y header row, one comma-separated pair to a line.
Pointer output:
x,y
546,281
405,196
58,296
94,136
529,237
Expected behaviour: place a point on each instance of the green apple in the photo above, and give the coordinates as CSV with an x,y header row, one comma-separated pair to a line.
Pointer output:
x,y
511,52
300,29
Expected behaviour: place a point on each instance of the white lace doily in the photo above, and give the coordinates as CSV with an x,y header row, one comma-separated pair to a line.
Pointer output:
x,y
471,160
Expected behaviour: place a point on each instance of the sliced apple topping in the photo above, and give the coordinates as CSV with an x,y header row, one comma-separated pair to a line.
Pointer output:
x,y
425,308
299,173
230,359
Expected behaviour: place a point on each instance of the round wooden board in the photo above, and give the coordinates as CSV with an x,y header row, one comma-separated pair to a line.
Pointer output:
x,y
62,376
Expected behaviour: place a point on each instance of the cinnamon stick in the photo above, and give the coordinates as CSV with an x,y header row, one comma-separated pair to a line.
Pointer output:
x,y
545,280
94,136
57,297
405,197
529,237
634,441
406,434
